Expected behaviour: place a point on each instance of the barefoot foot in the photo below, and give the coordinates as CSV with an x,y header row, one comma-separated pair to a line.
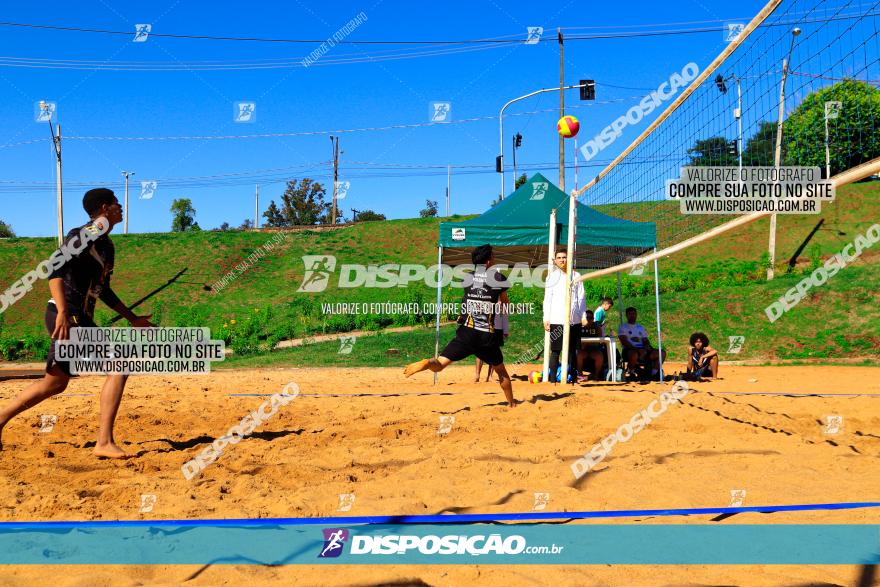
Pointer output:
x,y
414,368
110,451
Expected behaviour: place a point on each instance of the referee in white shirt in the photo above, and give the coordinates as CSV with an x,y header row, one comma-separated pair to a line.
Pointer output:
x,y
555,314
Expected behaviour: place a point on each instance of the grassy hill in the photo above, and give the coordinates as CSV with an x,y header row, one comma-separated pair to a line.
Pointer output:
x,y
718,287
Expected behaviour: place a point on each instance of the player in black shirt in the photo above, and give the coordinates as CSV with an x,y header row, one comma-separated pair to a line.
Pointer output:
x,y
476,331
75,287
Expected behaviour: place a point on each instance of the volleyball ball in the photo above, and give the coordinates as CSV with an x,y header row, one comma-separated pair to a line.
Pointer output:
x,y
568,126
535,377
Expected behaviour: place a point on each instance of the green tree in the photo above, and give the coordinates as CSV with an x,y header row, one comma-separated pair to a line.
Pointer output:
x,y
760,148
184,215
520,181
368,215
430,209
272,215
246,224
712,151
852,138
302,203
6,230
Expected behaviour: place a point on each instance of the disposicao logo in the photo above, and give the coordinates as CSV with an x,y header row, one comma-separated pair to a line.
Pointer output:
x,y
334,540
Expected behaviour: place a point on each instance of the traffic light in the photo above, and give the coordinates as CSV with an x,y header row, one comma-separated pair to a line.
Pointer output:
x,y
518,140
498,164
588,89
719,81
733,148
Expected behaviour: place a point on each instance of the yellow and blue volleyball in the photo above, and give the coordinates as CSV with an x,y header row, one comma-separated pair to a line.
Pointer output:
x,y
568,126
535,377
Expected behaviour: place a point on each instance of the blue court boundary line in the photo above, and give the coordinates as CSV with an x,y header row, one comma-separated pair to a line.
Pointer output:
x,y
435,519
380,394
396,393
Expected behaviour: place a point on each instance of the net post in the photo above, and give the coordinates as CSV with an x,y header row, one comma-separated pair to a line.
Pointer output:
x,y
439,294
657,310
551,252
566,328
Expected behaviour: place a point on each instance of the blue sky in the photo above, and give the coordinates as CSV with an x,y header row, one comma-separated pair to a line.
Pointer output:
x,y
321,97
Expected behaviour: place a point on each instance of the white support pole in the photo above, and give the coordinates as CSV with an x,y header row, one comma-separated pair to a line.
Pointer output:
x,y
566,327
657,309
439,294
778,156
771,245
551,252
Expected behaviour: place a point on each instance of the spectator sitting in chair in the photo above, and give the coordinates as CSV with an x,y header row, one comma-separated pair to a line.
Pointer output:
x,y
637,349
591,351
702,359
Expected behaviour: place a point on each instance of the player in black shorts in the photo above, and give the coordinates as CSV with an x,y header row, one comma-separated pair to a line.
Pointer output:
x,y
476,331
75,288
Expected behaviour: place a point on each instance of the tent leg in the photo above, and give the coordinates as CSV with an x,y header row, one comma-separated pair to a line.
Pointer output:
x,y
439,290
657,309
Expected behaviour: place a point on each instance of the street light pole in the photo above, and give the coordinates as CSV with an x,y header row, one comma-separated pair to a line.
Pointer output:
x,y
501,121
125,209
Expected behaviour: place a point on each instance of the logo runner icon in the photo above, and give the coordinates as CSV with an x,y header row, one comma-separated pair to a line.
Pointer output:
x,y
318,270
539,190
334,540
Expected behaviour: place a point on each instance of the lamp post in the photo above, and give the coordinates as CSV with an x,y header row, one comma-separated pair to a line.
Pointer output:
x,y
501,124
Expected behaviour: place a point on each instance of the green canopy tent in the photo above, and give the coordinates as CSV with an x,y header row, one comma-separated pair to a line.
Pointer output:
x,y
518,228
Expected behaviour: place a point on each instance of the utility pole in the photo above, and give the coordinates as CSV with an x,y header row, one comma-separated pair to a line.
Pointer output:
x,y
57,141
257,207
561,109
125,225
335,141
448,186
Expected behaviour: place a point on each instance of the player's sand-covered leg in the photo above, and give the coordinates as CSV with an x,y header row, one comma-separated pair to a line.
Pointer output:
x,y
111,396
53,383
441,362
